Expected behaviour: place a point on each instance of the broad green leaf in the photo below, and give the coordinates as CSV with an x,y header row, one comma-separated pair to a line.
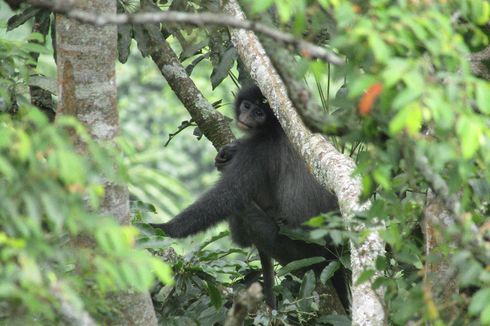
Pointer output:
x,y
144,275
485,315
479,301
298,264
71,167
409,118
480,11
483,96
328,271
163,271
31,272
50,205
214,294
285,9
6,169
220,71
21,18
469,132
381,51
23,145
396,68
365,276
308,285
360,85
260,6
406,96
127,274
124,38
34,47
213,239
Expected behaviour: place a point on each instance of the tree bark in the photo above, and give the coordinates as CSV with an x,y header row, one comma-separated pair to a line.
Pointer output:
x,y
212,123
440,283
87,90
332,169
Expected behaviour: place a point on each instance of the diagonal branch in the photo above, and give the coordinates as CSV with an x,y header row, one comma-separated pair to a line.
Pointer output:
x,y
211,122
305,48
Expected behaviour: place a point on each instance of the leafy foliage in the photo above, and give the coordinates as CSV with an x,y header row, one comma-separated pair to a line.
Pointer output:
x,y
46,188
208,276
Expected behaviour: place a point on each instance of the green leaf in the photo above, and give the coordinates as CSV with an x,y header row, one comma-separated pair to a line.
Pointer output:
x,y
479,301
381,51
409,118
328,271
213,239
360,85
483,96
298,264
163,271
308,285
190,49
365,276
220,71
480,11
23,145
71,167
6,169
51,208
214,295
485,315
260,6
406,96
395,70
469,132
382,175
17,20
124,37
34,47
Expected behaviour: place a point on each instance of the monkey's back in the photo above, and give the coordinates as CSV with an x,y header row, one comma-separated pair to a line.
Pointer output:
x,y
282,185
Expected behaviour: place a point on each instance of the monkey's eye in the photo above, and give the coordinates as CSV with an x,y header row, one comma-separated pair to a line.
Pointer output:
x,y
246,105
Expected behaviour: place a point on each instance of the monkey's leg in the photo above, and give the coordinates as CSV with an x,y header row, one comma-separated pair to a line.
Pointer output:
x,y
268,274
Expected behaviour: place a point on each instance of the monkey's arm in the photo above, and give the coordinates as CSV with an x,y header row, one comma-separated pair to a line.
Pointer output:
x,y
229,196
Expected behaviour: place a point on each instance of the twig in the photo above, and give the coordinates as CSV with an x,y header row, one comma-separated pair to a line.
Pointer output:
x,y
305,48
182,126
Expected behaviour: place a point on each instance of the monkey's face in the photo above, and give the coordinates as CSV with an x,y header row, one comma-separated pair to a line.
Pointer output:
x,y
251,116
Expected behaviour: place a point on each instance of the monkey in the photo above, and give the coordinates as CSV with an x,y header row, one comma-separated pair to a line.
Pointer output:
x,y
264,184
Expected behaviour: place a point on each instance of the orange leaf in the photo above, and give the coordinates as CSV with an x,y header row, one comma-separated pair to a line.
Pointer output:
x,y
365,105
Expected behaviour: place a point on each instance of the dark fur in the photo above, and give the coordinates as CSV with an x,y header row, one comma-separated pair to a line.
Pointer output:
x,y
264,184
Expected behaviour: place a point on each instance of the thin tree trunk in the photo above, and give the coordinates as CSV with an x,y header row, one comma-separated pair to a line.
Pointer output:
x,y
86,58
440,284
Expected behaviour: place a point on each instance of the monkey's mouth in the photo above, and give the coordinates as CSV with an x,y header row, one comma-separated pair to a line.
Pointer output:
x,y
243,125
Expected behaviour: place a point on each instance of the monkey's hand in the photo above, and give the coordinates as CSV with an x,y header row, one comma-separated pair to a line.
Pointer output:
x,y
170,229
225,155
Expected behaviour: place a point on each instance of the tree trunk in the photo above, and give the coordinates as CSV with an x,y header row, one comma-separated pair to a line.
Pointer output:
x,y
440,284
86,58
